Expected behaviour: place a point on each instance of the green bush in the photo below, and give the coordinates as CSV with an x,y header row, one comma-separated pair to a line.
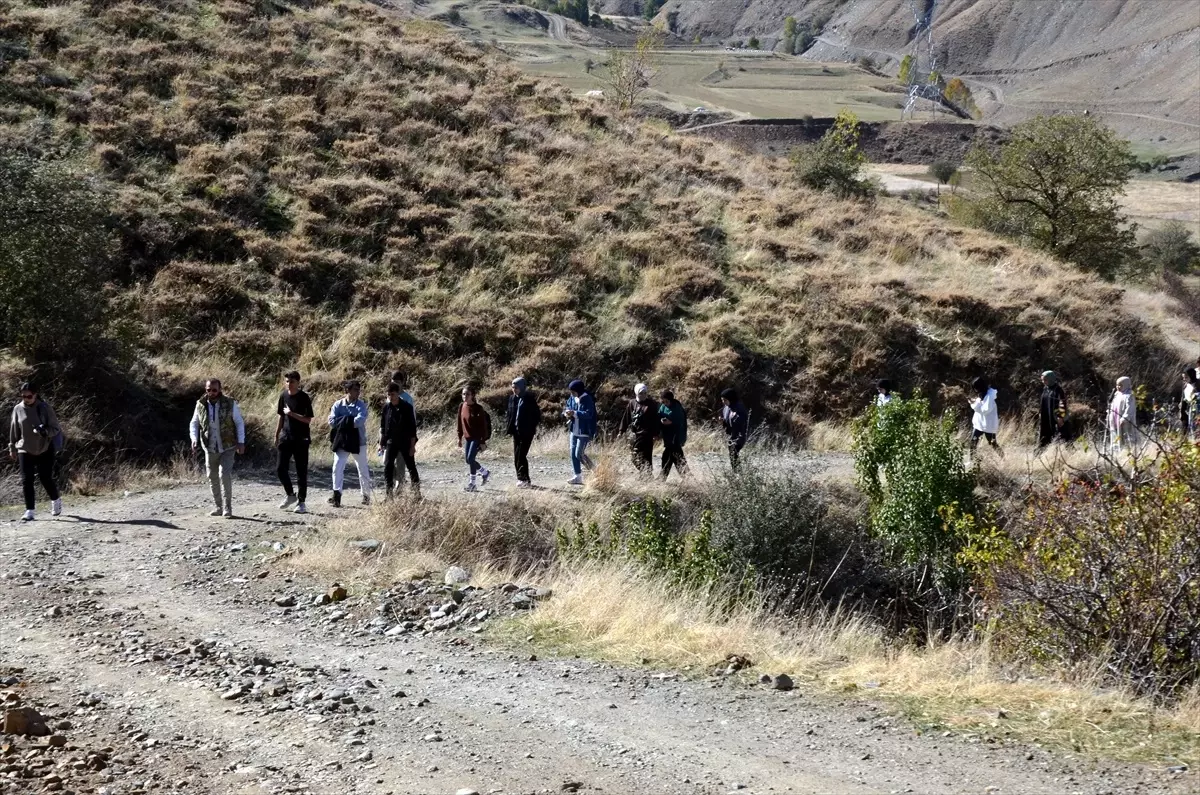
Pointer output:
x,y
1171,248
835,162
54,258
1102,571
910,466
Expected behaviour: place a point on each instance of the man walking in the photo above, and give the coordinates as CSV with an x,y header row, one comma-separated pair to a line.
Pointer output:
x,y
292,440
674,433
218,425
401,378
642,422
348,432
34,436
398,438
524,416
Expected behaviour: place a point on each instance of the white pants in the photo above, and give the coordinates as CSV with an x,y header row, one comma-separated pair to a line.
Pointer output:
x,y
360,461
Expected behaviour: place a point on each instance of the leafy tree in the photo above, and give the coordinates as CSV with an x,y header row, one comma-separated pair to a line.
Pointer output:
x,y
1170,248
943,171
789,35
906,65
631,72
910,466
650,9
1055,185
754,43
959,93
835,162
54,256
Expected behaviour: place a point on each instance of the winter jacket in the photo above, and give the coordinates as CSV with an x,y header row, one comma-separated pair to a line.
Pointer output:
x,y
231,427
344,415
397,424
676,432
735,421
524,415
641,420
986,417
474,423
26,433
584,423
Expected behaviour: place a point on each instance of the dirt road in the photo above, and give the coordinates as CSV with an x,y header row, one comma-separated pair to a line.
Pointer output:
x,y
167,643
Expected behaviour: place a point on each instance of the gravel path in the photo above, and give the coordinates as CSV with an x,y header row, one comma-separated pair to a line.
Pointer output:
x,y
154,632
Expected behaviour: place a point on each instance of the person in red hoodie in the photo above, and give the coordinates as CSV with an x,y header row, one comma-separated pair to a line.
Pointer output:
x,y
474,430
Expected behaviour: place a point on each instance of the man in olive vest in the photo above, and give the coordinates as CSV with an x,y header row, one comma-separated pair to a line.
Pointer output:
x,y
217,424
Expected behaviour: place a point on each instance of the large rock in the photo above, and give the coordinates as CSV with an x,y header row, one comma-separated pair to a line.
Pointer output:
x,y
457,575
25,721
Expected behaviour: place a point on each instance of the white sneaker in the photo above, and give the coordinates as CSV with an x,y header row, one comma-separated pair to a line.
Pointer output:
x,y
27,517
56,507
288,502
576,481
215,512
484,474
228,512
470,487
300,508
524,484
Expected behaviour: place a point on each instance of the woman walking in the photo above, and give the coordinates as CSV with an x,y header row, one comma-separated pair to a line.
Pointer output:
x,y
1052,412
474,430
985,417
580,413
33,438
1122,416
1188,405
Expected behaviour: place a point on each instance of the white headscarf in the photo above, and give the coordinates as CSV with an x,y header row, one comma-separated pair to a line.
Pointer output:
x,y
639,389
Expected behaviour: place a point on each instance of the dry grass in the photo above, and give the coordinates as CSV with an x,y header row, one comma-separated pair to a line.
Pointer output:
x,y
388,196
618,614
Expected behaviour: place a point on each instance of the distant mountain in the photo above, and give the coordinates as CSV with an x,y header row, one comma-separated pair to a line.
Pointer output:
x,y
1133,61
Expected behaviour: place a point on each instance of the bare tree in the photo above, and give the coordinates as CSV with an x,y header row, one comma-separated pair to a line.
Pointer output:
x,y
630,72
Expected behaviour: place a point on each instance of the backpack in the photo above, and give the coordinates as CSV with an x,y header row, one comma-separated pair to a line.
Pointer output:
x,y
57,440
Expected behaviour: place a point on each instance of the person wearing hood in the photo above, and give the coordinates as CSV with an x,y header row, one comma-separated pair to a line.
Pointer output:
x,y
524,417
1122,416
985,417
580,413
1052,412
641,421
1189,401
736,422
673,418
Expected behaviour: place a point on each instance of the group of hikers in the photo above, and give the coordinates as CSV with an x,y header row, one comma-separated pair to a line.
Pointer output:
x,y
218,429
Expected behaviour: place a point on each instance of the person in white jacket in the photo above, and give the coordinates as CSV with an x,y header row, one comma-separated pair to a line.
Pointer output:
x,y
985,417
1122,416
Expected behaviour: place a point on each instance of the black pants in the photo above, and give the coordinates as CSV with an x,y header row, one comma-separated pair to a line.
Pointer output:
x,y
521,445
976,433
641,451
399,450
41,467
673,455
736,443
298,450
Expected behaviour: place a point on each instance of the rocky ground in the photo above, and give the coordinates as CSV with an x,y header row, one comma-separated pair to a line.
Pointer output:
x,y
149,648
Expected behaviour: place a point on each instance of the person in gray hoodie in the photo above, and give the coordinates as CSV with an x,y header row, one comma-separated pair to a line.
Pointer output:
x,y
33,434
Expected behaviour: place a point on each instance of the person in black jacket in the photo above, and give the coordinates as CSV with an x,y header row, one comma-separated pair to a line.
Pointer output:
x,y
398,438
736,422
642,422
524,417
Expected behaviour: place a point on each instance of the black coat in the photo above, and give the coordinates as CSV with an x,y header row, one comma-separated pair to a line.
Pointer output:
x,y
343,435
524,415
397,424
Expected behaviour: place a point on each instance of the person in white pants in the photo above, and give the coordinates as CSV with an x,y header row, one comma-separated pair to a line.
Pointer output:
x,y
348,424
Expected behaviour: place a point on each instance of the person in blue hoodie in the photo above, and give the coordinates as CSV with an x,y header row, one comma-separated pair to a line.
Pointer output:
x,y
673,417
348,431
580,413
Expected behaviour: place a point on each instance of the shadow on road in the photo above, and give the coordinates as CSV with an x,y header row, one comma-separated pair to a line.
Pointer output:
x,y
165,525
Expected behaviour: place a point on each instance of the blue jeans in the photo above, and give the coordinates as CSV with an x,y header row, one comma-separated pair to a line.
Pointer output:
x,y
470,450
579,458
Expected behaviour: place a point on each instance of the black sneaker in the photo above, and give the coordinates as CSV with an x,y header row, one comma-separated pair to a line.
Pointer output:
x,y
335,499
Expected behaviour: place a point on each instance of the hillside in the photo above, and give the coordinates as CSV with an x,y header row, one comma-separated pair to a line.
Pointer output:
x,y
332,186
1133,61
